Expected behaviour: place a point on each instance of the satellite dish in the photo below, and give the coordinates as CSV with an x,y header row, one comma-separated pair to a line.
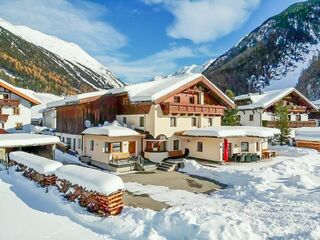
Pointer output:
x,y
87,123
106,123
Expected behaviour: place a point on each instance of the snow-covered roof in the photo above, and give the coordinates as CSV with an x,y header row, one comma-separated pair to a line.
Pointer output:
x,y
26,140
75,98
233,131
21,92
153,90
266,99
112,130
308,134
40,164
91,179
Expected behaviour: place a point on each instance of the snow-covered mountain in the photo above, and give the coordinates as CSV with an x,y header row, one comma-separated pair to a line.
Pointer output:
x,y
58,59
274,55
193,68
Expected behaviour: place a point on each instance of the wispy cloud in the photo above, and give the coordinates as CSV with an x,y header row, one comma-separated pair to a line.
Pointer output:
x,y
160,63
80,23
205,20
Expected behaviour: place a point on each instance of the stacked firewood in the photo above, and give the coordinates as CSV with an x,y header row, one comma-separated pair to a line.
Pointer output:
x,y
95,202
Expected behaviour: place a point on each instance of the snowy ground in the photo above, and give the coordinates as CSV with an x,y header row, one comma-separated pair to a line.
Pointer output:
x,y
264,200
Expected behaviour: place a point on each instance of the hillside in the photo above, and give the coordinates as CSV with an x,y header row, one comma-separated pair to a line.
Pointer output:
x,y
33,60
274,54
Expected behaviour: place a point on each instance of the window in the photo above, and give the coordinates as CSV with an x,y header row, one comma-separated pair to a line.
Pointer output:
x,y
193,122
176,99
173,122
210,122
258,146
244,147
298,117
199,146
62,139
289,118
251,117
79,143
16,111
191,99
124,120
125,101
19,126
69,141
116,147
175,145
91,145
5,96
141,121
106,147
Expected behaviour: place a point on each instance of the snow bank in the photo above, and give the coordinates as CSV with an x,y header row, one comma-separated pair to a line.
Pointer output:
x,y
40,164
66,158
112,130
26,139
308,134
233,131
91,179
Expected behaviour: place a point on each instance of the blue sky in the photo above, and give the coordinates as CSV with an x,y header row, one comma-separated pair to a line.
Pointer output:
x,y
138,39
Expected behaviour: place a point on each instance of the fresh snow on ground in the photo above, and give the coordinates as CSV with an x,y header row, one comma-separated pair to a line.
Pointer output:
x,y
66,158
276,199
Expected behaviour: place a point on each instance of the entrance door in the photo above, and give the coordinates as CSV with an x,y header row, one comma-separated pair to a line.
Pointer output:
x,y
132,147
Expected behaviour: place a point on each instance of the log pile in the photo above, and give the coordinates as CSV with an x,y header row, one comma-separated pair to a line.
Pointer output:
x,y
95,202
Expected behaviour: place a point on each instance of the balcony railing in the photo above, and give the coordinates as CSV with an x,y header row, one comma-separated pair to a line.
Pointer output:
x,y
180,108
3,117
292,124
9,102
297,109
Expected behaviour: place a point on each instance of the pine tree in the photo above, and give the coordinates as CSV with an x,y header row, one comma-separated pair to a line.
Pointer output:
x,y
230,117
282,122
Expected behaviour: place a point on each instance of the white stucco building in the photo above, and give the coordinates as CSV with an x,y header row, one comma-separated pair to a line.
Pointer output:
x,y
15,108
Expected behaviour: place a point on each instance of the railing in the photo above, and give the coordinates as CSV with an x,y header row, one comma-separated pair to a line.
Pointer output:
x,y
292,124
9,102
297,109
180,108
3,117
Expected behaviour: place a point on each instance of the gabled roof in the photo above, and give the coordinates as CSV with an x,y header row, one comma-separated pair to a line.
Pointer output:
x,y
114,129
268,98
19,92
155,90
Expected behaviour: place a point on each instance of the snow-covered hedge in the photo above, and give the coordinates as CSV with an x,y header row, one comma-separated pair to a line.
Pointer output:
x,y
91,179
40,164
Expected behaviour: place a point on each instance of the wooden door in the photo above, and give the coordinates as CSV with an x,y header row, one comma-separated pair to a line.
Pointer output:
x,y
132,147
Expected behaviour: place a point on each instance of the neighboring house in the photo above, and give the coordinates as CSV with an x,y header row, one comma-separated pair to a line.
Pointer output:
x,y
225,142
258,109
15,108
49,117
158,109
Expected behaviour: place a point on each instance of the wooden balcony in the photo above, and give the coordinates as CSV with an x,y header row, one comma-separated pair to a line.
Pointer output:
x,y
180,108
297,109
3,117
9,102
292,124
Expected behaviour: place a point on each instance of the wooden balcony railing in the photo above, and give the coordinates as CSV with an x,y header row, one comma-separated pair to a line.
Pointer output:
x,y
180,108
297,109
3,117
9,102
292,124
